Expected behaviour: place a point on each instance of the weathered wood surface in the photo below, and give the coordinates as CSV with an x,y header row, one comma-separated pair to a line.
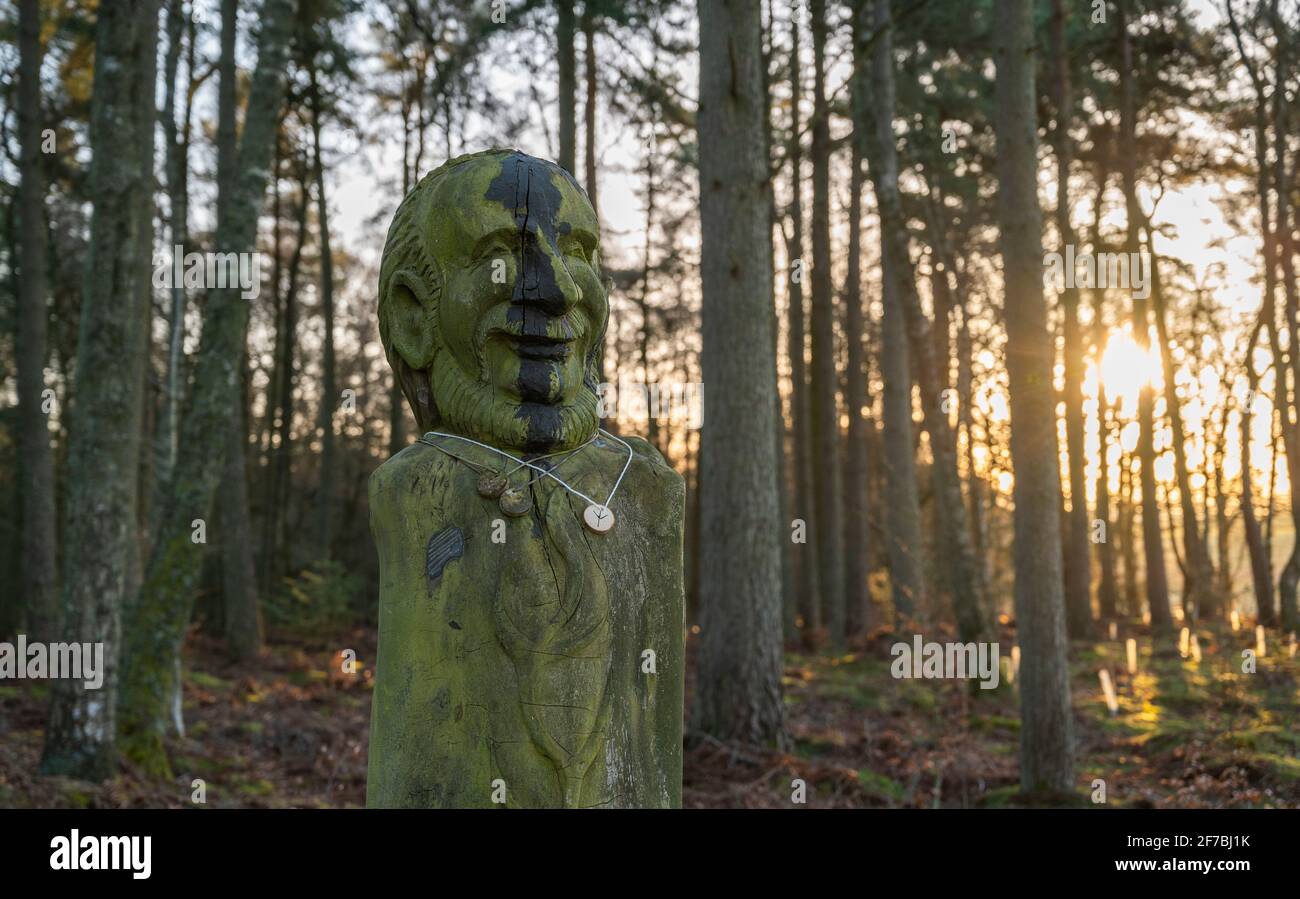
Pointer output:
x,y
522,663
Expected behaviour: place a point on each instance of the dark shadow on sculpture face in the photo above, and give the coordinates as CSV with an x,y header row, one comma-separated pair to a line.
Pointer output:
x,y
492,306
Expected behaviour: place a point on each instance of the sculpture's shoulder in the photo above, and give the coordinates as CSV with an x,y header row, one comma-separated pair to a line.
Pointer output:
x,y
403,473
651,463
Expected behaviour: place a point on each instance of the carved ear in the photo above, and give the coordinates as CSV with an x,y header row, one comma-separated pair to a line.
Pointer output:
x,y
410,319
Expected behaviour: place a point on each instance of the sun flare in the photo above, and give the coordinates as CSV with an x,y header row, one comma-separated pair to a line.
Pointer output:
x,y
1126,368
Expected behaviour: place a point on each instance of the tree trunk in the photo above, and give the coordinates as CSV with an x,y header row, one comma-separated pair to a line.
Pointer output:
x,y
1157,582
329,389
1077,557
1127,513
857,556
39,589
957,559
1107,591
589,107
242,621
1046,740
1260,566
738,694
828,529
568,86
801,502
1199,590
176,144
158,622
1287,599
101,527
903,524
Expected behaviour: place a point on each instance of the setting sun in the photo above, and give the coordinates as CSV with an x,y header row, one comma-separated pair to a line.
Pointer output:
x,y
1126,368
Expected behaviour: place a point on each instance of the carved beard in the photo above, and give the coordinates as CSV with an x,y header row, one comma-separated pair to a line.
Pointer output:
x,y
481,411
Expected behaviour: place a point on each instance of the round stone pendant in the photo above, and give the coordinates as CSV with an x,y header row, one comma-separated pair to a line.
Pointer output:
x,y
515,502
598,518
491,484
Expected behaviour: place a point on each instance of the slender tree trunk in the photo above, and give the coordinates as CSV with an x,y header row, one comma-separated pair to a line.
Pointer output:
x,y
101,527
1260,568
589,107
1157,581
329,387
568,86
1107,592
857,556
802,506
1199,590
39,588
158,621
738,694
176,144
1127,514
957,559
903,523
1287,586
1077,557
1046,730
242,621
828,528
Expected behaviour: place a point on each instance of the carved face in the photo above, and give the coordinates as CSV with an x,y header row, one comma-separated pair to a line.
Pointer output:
x,y
506,316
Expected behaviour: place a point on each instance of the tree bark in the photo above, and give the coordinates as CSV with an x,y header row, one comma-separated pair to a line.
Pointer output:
x,y
589,106
1046,730
158,621
101,527
1107,591
1078,556
738,694
39,588
903,524
329,387
1261,574
957,560
828,530
568,87
802,506
857,556
1157,581
1199,589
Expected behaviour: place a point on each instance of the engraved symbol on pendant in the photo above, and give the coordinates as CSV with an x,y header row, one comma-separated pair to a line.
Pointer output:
x,y
598,518
515,502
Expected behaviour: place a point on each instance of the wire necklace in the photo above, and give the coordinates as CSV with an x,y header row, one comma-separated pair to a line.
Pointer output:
x,y
514,501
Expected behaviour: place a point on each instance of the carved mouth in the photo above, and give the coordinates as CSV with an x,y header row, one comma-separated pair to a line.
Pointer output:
x,y
542,349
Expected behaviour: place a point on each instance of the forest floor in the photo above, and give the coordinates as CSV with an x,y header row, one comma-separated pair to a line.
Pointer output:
x,y
289,730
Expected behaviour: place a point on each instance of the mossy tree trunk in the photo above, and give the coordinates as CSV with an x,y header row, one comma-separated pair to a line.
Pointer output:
x,y
159,618
101,527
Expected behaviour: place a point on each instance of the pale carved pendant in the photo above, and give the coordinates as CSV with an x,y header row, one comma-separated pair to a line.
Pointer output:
x,y
515,502
598,518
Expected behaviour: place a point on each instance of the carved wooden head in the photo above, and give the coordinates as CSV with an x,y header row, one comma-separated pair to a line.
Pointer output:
x,y
492,308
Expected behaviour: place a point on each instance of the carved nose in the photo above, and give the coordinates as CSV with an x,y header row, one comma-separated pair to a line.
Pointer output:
x,y
544,282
